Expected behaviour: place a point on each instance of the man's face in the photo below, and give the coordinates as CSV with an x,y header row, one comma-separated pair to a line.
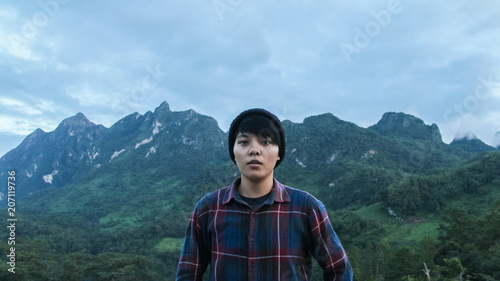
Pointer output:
x,y
255,156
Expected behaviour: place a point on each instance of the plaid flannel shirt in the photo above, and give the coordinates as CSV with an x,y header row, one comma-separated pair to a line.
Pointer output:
x,y
274,242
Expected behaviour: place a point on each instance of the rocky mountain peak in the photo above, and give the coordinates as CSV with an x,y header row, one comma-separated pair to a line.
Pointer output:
x,y
325,117
395,120
32,139
164,107
398,124
77,121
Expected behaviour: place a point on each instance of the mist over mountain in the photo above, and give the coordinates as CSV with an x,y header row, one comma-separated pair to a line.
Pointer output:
x,y
472,144
497,140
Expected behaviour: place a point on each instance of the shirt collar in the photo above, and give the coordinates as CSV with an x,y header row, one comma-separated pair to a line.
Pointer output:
x,y
278,193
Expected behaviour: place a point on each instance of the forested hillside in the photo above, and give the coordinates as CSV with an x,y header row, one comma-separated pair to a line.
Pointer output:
x,y
400,199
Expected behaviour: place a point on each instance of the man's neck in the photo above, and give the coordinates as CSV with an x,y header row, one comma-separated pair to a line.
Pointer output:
x,y
255,189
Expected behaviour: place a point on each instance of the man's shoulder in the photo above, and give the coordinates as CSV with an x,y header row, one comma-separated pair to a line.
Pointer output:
x,y
214,195
212,198
302,197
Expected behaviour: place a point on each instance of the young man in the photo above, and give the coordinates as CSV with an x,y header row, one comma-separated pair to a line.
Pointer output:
x,y
257,228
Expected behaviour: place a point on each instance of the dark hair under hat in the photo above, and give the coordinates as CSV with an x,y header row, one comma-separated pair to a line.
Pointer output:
x,y
273,129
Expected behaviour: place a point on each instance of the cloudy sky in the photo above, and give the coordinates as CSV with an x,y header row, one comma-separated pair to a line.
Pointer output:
x,y
437,60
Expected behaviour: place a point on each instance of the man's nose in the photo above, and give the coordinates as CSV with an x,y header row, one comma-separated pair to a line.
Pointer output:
x,y
254,148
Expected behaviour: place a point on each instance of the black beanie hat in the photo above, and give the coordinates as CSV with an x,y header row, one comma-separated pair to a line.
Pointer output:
x,y
233,130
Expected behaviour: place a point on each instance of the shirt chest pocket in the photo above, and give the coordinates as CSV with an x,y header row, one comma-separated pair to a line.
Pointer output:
x,y
230,233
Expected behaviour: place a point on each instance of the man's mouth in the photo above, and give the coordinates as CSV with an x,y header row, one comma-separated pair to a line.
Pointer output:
x,y
254,162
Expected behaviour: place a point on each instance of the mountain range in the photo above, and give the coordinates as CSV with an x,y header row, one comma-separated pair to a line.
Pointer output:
x,y
170,143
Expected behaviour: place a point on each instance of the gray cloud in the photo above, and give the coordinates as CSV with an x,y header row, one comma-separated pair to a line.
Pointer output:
x,y
109,59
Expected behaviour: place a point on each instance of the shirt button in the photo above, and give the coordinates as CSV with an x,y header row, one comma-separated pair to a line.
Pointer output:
x,y
252,239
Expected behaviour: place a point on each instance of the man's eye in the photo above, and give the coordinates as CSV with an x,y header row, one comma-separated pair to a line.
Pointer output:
x,y
266,142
